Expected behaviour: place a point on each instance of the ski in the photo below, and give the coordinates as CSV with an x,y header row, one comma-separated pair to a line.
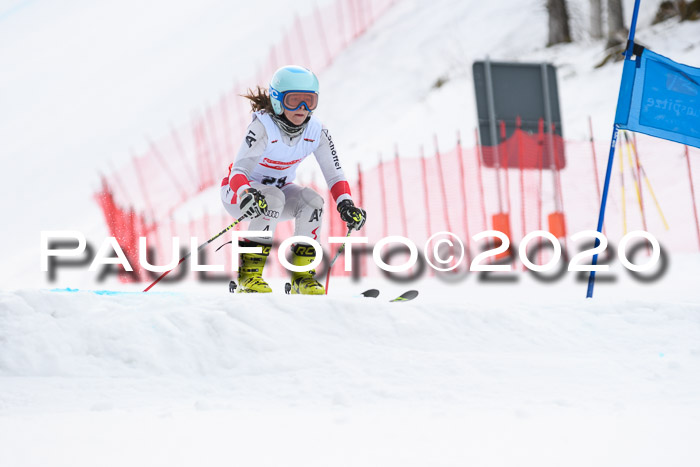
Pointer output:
x,y
406,296
369,293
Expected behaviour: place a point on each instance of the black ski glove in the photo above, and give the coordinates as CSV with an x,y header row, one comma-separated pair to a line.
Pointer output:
x,y
252,203
354,217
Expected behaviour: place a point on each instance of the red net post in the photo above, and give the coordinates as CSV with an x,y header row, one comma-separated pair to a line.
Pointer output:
x,y
402,200
360,198
361,202
302,42
362,22
142,182
322,33
521,167
426,194
637,170
463,193
217,159
557,220
204,168
168,170
287,49
505,156
341,23
518,133
274,62
120,185
239,106
443,187
540,136
180,150
382,188
595,161
501,222
692,193
480,178
353,18
228,154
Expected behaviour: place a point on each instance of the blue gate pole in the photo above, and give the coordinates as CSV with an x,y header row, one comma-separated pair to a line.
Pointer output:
x,y
603,202
601,216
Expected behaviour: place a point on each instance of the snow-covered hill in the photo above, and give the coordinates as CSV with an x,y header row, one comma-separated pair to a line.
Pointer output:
x,y
200,377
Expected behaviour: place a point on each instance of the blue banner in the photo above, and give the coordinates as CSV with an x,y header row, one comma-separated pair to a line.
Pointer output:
x,y
661,98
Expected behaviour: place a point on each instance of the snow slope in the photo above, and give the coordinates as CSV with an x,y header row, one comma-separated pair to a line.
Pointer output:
x,y
486,374
193,378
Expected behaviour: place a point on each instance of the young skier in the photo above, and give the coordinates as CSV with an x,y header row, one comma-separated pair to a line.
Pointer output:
x,y
282,133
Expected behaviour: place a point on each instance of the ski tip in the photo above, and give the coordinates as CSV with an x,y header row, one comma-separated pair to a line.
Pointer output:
x,y
406,296
287,288
370,293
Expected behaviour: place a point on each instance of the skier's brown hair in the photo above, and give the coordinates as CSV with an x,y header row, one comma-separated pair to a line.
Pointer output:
x,y
259,100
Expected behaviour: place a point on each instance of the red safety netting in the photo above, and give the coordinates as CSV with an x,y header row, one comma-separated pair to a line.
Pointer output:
x,y
453,191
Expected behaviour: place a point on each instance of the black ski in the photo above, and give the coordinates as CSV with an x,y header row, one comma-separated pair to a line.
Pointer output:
x,y
369,293
406,296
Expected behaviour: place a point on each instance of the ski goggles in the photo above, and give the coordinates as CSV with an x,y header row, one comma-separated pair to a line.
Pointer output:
x,y
293,100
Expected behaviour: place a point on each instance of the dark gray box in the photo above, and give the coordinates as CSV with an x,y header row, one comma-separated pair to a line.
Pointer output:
x,y
518,90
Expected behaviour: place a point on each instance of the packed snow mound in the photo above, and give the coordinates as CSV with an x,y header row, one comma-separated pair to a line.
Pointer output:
x,y
359,348
194,378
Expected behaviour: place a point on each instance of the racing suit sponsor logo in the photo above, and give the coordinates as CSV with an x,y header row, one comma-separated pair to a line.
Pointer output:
x,y
331,145
315,216
249,139
271,214
278,165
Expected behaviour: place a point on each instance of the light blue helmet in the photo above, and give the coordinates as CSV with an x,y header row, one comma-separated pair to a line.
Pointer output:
x,y
290,78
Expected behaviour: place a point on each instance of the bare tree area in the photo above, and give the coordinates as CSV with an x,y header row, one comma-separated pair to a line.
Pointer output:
x,y
559,31
683,9
617,32
596,19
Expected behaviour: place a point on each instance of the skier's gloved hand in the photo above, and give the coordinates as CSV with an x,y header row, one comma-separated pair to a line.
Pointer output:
x,y
354,217
252,203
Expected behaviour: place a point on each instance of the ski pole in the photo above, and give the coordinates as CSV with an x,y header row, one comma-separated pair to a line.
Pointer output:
x,y
330,266
235,223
